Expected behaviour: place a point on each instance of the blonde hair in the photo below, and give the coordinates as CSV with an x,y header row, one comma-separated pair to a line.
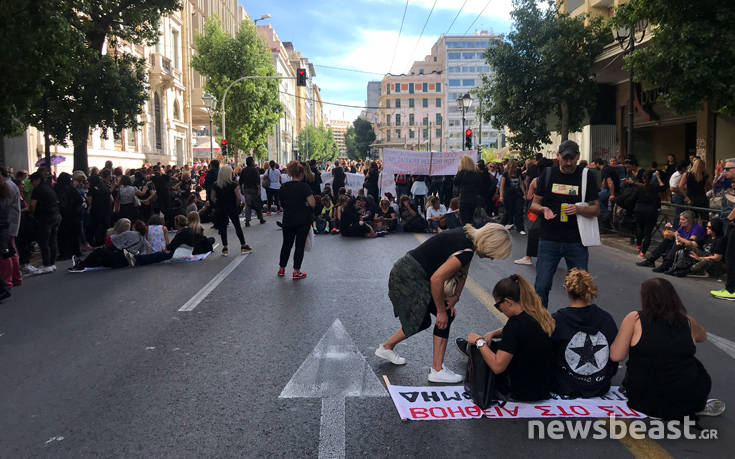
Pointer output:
x,y
120,226
466,163
492,240
193,222
224,176
516,288
580,285
698,169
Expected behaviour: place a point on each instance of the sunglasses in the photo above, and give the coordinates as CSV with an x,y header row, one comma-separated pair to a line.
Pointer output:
x,y
728,168
497,305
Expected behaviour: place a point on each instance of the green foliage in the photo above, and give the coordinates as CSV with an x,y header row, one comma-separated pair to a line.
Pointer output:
x,y
541,74
252,106
317,142
691,56
358,139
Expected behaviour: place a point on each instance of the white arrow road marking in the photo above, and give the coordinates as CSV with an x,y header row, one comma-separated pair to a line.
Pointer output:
x,y
725,345
211,285
335,369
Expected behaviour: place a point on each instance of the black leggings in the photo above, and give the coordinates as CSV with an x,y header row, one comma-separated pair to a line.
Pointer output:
x,y
234,217
645,223
273,198
444,334
299,234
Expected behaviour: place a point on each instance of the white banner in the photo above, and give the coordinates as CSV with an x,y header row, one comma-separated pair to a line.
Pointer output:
x,y
452,402
352,181
417,162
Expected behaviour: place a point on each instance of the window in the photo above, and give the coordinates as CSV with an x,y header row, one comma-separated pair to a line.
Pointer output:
x,y
387,103
439,133
438,87
454,69
177,57
398,103
398,87
398,133
425,121
410,103
398,121
411,119
425,87
454,56
469,82
438,118
388,136
387,120
438,102
425,133
130,139
177,112
387,89
468,55
410,88
158,121
421,71
410,134
454,83
425,102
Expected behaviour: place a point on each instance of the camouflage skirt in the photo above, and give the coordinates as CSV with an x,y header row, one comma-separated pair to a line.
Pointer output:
x,y
410,292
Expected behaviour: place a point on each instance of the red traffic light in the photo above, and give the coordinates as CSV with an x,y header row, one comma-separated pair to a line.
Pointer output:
x,y
468,132
224,142
301,71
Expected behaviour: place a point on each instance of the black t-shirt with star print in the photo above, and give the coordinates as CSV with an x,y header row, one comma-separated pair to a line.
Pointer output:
x,y
581,340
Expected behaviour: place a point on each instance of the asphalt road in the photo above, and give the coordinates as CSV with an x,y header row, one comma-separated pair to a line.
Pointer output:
x,y
103,364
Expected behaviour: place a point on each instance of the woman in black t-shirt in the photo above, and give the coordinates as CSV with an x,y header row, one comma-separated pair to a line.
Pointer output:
x,y
429,280
226,198
298,204
522,361
512,197
467,182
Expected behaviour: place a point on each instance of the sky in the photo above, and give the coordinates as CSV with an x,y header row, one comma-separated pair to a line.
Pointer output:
x,y
364,35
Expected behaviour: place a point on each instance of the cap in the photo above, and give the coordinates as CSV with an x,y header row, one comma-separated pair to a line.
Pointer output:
x,y
568,148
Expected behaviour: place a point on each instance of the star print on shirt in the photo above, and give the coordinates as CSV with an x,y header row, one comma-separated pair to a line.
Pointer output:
x,y
587,352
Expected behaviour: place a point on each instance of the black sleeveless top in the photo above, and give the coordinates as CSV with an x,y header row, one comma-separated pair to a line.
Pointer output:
x,y
663,378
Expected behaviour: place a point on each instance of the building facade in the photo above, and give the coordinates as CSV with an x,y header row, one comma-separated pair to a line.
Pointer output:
x,y
339,131
373,97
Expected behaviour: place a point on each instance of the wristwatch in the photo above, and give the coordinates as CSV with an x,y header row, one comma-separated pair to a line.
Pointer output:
x,y
480,342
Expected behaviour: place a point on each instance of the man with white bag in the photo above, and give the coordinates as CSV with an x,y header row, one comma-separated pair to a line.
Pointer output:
x,y
563,194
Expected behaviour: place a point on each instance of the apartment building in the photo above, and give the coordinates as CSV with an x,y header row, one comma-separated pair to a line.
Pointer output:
x,y
339,131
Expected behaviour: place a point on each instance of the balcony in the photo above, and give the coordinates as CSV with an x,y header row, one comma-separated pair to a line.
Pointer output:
x,y
161,74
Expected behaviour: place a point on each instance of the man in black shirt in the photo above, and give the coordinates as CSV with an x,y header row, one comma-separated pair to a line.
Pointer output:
x,y
558,191
45,207
250,185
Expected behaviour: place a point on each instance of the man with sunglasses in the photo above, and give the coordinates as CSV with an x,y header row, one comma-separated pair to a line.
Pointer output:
x,y
728,293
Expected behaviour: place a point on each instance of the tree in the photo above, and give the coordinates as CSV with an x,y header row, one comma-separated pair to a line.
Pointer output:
x,y
252,106
691,55
358,139
541,71
317,143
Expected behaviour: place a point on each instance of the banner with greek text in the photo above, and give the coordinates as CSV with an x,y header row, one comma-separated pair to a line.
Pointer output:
x,y
452,402
418,162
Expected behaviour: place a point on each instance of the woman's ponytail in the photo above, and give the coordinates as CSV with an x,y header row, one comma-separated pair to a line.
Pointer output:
x,y
517,288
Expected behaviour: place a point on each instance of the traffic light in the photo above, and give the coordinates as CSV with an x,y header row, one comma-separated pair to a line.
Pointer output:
x,y
468,139
300,77
223,145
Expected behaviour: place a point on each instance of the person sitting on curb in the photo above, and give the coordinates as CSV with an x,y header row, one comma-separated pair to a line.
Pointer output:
x,y
689,234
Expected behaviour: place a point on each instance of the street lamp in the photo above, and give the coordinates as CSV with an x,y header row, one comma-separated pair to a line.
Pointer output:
x,y
464,103
210,102
264,16
626,38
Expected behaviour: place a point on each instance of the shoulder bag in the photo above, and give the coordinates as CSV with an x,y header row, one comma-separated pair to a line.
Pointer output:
x,y
451,284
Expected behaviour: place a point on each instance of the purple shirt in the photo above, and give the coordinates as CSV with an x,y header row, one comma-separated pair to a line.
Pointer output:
x,y
695,230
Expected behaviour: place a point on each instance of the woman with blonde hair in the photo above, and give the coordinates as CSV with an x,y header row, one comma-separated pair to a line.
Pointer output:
x,y
581,340
226,198
522,359
693,184
429,280
468,182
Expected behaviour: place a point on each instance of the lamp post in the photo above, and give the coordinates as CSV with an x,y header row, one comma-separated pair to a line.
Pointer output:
x,y
264,16
626,38
210,102
464,103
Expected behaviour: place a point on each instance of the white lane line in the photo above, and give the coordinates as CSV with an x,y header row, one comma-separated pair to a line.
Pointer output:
x,y
211,285
725,345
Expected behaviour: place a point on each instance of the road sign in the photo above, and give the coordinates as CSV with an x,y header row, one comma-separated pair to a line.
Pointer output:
x,y
334,370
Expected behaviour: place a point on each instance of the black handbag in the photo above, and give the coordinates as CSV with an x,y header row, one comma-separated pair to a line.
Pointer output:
x,y
480,380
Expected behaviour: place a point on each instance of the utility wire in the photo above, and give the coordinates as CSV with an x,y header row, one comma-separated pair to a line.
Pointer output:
x,y
478,17
327,103
423,28
395,48
347,69
455,17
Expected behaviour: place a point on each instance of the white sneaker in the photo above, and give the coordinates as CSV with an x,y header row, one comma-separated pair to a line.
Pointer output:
x,y
714,407
30,270
523,261
444,376
46,270
523,233
390,355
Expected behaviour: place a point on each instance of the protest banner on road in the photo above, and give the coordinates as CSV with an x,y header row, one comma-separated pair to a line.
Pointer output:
x,y
352,181
418,162
452,402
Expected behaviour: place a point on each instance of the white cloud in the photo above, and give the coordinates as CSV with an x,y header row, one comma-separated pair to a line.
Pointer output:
x,y
334,112
496,8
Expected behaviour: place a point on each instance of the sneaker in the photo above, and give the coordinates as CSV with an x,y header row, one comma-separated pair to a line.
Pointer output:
x,y
267,214
281,272
646,263
714,407
74,260
509,227
225,252
245,249
661,269
30,270
638,248
523,261
444,376
390,355
278,212
641,255
723,294
46,269
298,275
262,221
75,269
130,257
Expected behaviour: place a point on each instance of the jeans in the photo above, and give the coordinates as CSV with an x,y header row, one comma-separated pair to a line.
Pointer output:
x,y
550,254
291,234
677,199
48,239
252,201
150,258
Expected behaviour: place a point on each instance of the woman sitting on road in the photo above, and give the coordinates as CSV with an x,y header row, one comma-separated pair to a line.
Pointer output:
x,y
122,240
664,379
351,224
413,222
429,280
581,340
522,360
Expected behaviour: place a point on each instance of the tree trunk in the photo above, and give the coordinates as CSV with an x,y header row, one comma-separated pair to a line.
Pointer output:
x,y
79,136
564,131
